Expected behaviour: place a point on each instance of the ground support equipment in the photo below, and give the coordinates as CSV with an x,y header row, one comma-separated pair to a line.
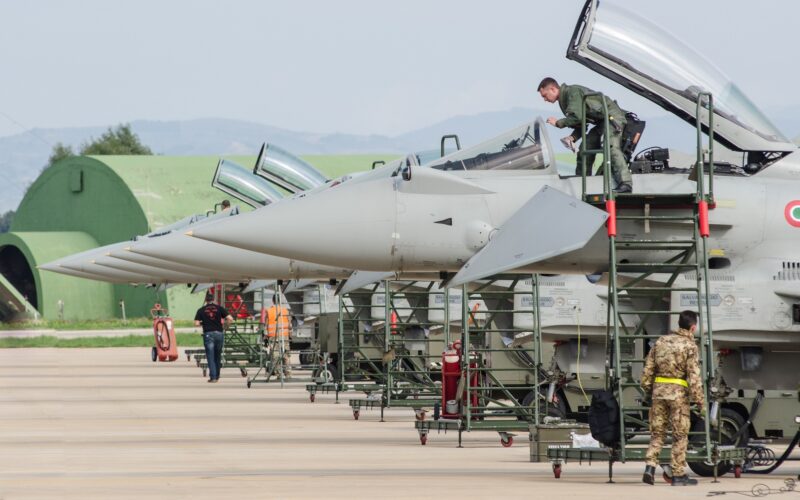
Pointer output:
x,y
500,387
414,341
650,285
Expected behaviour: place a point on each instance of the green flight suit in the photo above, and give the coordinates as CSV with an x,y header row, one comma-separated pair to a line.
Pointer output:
x,y
570,100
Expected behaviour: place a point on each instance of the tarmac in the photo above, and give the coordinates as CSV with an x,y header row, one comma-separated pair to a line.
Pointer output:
x,y
109,423
73,334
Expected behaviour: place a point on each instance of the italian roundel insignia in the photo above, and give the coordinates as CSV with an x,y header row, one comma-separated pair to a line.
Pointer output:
x,y
792,213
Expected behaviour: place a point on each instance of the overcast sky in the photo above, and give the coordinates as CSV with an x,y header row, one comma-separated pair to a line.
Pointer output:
x,y
343,66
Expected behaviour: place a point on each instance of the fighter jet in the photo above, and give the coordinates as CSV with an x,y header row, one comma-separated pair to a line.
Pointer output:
x,y
101,264
502,207
292,174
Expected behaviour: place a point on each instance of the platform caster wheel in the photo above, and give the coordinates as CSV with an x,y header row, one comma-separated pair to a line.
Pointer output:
x,y
667,478
154,354
420,416
355,414
311,398
243,372
204,373
189,357
737,471
249,383
507,442
557,470
423,438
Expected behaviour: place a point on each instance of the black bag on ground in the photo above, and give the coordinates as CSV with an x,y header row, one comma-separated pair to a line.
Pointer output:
x,y
604,418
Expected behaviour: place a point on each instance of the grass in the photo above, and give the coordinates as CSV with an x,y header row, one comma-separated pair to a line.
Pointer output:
x,y
92,324
337,165
183,340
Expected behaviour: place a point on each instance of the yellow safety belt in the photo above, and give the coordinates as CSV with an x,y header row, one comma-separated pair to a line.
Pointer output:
x,y
677,381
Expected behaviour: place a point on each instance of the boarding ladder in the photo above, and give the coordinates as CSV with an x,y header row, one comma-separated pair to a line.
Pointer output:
x,y
649,286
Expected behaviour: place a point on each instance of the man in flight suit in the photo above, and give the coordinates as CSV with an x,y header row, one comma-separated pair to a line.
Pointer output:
x,y
570,100
672,377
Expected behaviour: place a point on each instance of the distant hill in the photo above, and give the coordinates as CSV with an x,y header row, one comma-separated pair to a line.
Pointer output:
x,y
22,156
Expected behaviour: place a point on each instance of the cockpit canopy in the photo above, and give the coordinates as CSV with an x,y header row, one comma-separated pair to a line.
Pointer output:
x,y
286,170
239,182
647,60
526,147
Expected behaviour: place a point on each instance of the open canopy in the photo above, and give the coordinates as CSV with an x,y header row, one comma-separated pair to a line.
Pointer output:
x,y
649,61
286,170
526,147
239,182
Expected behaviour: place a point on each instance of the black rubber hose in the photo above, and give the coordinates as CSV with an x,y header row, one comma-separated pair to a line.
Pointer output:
x,y
781,459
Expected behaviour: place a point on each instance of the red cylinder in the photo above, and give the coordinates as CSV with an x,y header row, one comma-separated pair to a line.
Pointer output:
x,y
611,223
451,372
702,214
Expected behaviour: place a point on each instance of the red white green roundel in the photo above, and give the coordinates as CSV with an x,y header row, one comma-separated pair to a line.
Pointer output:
x,y
792,213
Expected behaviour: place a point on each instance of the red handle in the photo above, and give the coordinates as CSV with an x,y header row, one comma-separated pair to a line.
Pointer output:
x,y
611,223
703,218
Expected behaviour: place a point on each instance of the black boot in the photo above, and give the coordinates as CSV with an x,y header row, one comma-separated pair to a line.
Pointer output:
x,y
623,187
649,475
683,480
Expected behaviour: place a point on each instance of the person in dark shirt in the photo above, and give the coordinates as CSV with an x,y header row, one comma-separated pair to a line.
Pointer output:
x,y
213,318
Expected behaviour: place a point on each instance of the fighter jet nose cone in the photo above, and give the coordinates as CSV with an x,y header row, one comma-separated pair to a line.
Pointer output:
x,y
239,231
348,225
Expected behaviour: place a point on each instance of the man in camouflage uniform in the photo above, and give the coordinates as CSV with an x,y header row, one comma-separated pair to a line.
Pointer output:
x,y
570,99
672,377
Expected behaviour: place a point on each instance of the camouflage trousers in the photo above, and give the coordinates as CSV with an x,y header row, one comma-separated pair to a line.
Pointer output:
x,y
276,357
664,414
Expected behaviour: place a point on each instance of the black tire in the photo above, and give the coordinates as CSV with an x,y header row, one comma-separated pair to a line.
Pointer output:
x,y
730,422
328,374
154,354
307,358
553,410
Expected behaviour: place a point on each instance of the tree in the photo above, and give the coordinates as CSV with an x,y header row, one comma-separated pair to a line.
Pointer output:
x,y
60,151
119,141
5,221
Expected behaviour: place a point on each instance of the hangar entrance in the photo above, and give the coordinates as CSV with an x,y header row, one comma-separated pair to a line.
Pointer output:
x,y
14,267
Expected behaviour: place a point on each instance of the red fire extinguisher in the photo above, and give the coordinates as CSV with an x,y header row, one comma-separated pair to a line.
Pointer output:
x,y
451,372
